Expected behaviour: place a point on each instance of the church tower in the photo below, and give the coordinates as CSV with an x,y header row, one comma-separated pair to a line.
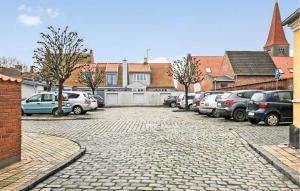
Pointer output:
x,y
277,45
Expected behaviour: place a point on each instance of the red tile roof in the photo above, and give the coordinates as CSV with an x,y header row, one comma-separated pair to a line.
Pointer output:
x,y
111,67
284,63
160,77
212,62
11,79
139,68
276,34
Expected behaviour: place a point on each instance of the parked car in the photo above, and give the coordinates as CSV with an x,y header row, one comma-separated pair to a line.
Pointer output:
x,y
170,101
94,104
181,101
200,96
234,104
272,107
100,100
80,102
208,105
45,103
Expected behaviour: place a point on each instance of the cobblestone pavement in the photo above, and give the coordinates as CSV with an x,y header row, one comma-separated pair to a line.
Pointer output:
x,y
157,149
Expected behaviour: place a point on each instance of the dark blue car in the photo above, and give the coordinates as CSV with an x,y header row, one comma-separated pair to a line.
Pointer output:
x,y
272,107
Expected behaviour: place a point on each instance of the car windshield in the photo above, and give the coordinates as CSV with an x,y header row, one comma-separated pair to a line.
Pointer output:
x,y
226,95
258,97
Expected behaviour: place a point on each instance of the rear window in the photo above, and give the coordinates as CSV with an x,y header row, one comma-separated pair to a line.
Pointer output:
x,y
226,95
72,95
258,97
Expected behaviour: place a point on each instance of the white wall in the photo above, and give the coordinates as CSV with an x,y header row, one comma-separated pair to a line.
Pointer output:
x,y
28,90
136,98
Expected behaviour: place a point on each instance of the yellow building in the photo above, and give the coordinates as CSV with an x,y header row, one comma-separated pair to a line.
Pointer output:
x,y
293,21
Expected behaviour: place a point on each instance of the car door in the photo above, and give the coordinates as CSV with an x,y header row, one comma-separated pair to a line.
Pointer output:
x,y
32,104
47,103
285,99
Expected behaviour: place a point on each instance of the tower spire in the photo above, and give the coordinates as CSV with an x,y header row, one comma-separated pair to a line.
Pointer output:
x,y
276,38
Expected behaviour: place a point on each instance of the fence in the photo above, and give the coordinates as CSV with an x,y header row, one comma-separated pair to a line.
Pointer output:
x,y
284,84
136,98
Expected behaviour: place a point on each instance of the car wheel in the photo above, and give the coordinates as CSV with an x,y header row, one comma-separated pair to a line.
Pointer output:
x,y
55,112
272,119
239,115
254,121
77,110
173,104
227,117
214,113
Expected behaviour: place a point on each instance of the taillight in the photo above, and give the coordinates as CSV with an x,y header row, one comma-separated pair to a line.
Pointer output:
x,y
229,102
198,101
62,101
263,105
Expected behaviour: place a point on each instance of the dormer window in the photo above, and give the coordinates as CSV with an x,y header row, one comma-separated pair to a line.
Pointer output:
x,y
291,70
280,70
139,77
208,70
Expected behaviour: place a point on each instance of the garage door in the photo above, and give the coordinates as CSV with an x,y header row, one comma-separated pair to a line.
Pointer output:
x,y
111,99
138,98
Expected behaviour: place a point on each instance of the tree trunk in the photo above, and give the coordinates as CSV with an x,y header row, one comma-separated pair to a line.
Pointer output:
x,y
93,91
186,89
60,89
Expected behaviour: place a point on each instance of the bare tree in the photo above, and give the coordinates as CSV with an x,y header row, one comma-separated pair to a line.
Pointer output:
x,y
187,72
12,62
58,53
91,76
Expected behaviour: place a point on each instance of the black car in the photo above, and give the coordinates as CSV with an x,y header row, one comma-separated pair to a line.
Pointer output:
x,y
234,104
170,101
100,100
272,107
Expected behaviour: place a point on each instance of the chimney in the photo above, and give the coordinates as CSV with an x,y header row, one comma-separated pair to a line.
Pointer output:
x,y
125,73
145,60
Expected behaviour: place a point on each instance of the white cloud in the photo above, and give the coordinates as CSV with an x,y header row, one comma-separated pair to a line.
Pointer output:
x,y
52,12
24,8
28,20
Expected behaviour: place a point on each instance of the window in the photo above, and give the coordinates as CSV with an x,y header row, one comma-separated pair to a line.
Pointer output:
x,y
280,70
282,50
208,70
73,96
258,97
291,70
47,97
140,77
111,79
35,98
285,96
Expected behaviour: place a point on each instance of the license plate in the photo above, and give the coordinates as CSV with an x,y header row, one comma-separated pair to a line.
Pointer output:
x,y
251,113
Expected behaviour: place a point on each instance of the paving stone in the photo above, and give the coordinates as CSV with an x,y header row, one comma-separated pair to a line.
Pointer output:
x,y
157,149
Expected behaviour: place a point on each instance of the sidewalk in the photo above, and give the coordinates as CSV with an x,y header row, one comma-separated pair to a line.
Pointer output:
x,y
42,155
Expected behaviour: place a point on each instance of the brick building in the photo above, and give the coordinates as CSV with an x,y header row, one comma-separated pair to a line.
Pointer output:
x,y
253,69
10,120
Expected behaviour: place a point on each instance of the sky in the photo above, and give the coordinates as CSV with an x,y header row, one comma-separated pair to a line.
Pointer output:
x,y
118,29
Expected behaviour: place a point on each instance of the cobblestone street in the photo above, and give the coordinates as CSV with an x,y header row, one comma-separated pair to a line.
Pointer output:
x,y
157,149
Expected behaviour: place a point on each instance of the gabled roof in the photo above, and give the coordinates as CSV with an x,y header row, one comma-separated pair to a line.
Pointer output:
x,y
10,79
251,63
139,68
285,64
212,62
276,34
160,77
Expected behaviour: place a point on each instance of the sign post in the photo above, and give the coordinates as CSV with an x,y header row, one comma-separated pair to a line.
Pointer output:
x,y
277,76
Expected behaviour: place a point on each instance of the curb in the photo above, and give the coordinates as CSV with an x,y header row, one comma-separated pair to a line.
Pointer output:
x,y
291,174
288,172
55,119
32,183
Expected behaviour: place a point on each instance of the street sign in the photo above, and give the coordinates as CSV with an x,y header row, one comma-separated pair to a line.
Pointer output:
x,y
277,74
